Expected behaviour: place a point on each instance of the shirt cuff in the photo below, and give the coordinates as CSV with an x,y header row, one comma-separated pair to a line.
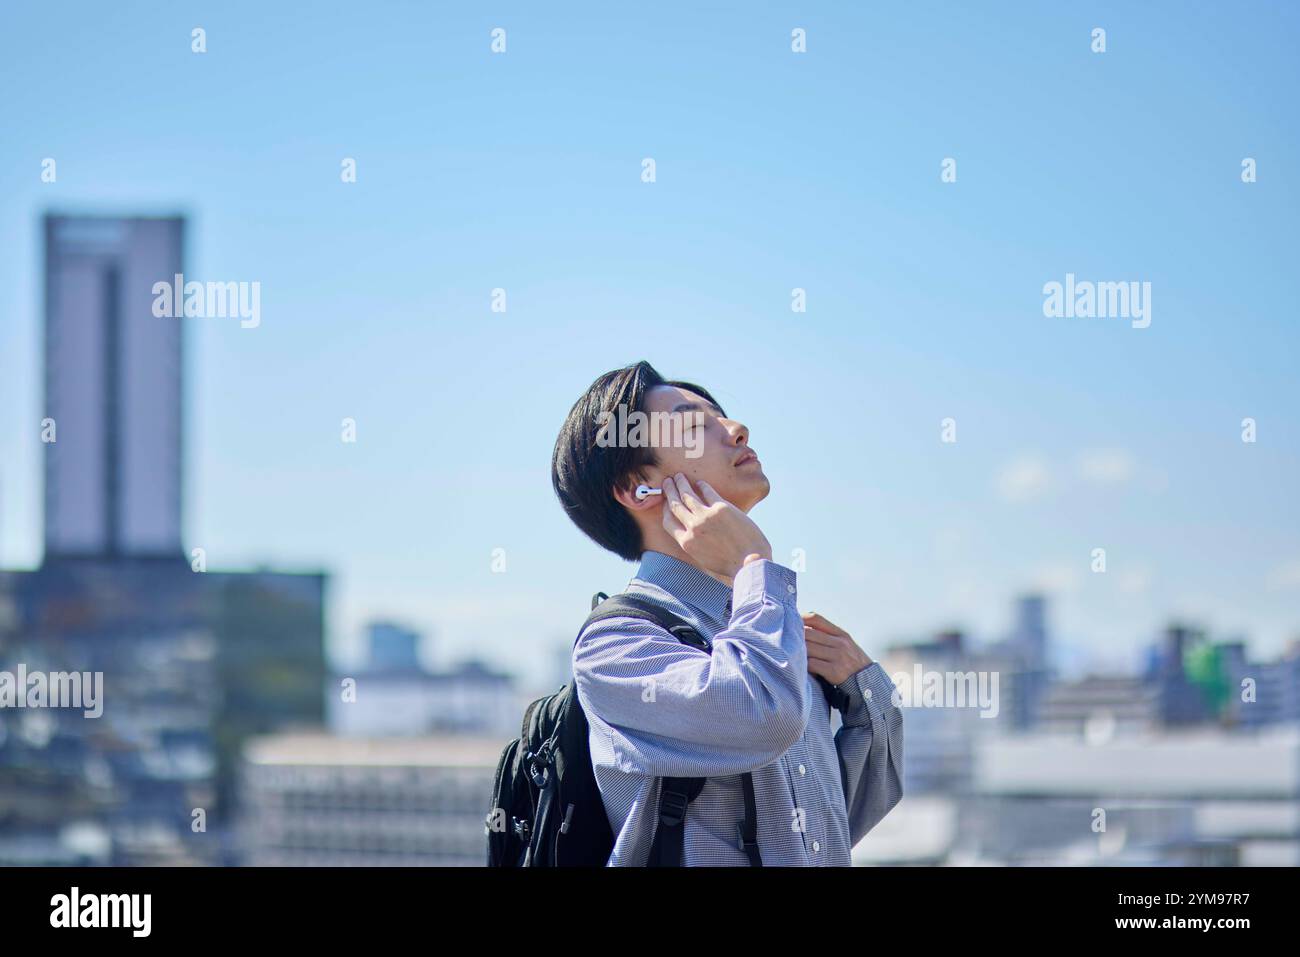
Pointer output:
x,y
869,692
763,579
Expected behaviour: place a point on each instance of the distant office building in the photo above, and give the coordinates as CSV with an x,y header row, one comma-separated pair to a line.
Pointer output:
x,y
112,387
920,831
315,800
1098,707
1274,690
939,740
1234,666
559,669
1190,797
470,698
193,662
392,647
1181,701
1022,662
1030,630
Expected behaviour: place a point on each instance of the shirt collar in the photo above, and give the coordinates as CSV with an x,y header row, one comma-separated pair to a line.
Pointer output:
x,y
687,584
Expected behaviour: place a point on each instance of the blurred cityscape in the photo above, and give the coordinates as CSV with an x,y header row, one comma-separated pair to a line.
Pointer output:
x,y
225,738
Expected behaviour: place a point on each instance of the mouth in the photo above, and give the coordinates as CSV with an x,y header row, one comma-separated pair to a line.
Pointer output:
x,y
746,457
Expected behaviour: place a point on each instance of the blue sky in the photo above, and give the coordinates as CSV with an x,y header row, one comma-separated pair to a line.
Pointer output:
x,y
774,171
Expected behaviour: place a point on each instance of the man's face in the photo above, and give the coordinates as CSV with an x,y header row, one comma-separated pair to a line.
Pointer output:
x,y
702,444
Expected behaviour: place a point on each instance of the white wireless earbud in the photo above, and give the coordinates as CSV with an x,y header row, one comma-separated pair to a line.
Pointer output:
x,y
644,491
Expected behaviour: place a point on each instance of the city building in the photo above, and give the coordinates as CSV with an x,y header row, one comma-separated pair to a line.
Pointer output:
x,y
317,800
1191,797
1099,705
1266,692
192,664
469,698
113,387
193,661
938,740
392,647
1181,701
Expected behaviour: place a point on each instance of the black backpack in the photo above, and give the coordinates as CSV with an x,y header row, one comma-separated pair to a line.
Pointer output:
x,y
546,808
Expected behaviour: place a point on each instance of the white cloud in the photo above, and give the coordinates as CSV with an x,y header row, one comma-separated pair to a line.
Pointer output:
x,y
1024,479
1106,466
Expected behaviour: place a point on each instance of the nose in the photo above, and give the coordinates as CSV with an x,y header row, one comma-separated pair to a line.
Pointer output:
x,y
736,431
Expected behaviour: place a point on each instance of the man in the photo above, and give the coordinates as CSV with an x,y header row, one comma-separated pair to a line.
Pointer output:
x,y
751,703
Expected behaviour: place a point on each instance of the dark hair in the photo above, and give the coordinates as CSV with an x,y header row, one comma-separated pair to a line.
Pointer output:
x,y
585,473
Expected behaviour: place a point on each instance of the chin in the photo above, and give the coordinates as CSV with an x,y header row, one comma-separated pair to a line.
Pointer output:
x,y
752,493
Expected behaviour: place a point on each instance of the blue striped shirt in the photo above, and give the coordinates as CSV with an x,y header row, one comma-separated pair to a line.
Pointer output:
x,y
659,708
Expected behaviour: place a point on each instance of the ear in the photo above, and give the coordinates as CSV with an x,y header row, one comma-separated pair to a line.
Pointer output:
x,y
627,497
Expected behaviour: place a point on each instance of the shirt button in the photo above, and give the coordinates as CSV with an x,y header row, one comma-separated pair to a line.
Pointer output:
x,y
790,589
802,769
816,847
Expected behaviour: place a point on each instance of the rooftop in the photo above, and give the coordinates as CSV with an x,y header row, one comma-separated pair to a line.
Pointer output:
x,y
310,748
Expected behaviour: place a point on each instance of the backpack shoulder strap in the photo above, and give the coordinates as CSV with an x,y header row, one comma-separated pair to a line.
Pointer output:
x,y
674,795
634,606
677,793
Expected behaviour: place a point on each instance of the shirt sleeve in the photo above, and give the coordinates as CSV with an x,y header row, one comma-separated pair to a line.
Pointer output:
x,y
671,710
870,746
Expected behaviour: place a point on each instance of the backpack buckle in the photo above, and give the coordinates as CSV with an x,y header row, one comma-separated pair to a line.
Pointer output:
x,y
539,764
672,808
745,843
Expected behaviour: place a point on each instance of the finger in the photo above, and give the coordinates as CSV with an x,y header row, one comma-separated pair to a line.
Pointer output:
x,y
822,653
816,620
819,668
671,525
675,506
707,493
689,498
823,661
820,638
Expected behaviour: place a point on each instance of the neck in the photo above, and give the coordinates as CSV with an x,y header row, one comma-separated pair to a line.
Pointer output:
x,y
665,544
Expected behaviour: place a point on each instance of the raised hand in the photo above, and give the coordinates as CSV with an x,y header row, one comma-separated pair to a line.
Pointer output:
x,y
719,537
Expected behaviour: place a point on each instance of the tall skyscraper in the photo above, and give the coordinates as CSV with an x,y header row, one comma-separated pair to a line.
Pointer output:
x,y
112,387
199,661
392,647
1031,628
